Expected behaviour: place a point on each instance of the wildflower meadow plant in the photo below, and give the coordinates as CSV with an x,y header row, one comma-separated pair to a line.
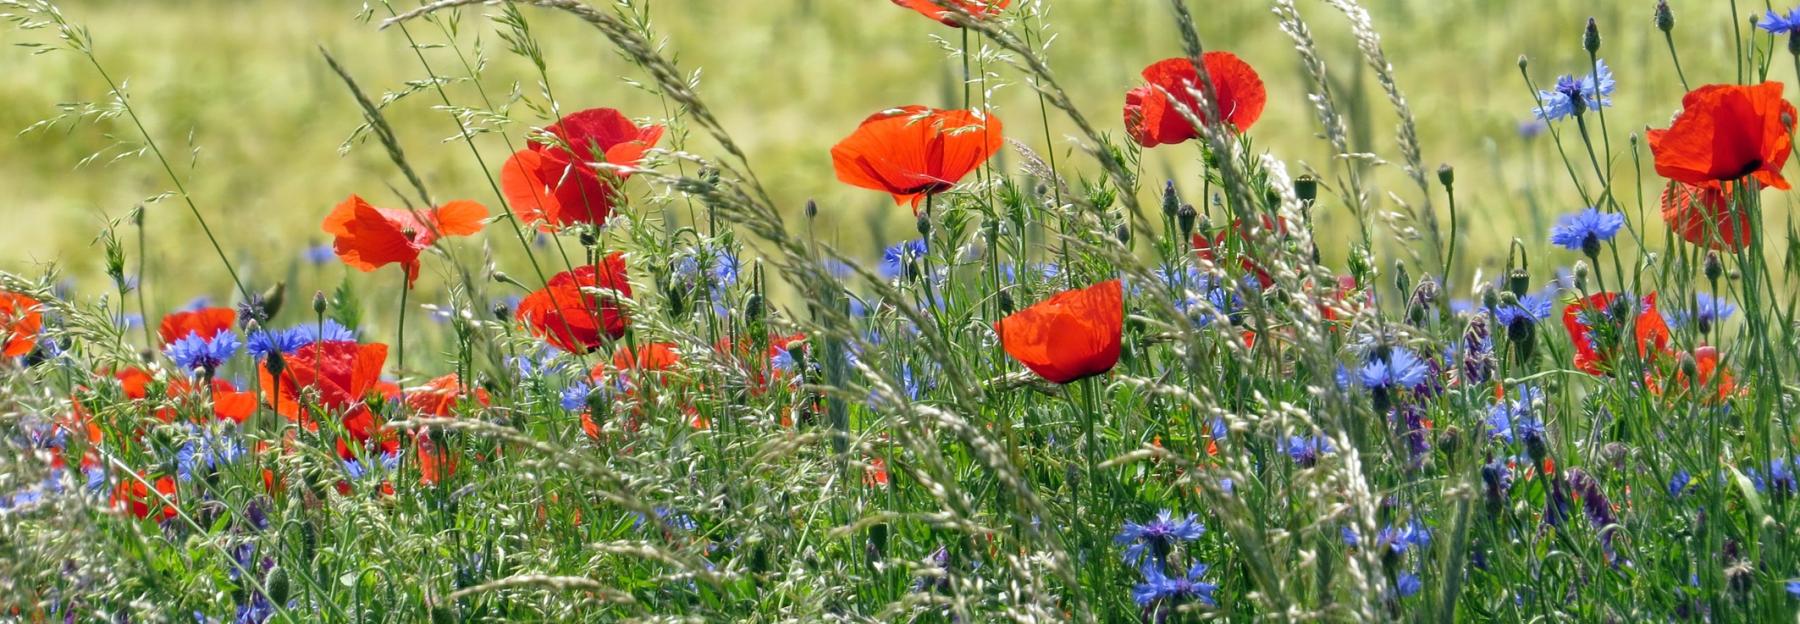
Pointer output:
x,y
658,390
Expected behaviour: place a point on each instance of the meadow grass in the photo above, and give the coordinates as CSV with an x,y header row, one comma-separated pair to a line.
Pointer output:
x,y
1382,392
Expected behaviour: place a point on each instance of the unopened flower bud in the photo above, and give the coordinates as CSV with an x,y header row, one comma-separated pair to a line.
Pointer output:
x,y
1523,63
1006,302
1490,298
1590,38
1185,218
812,209
1580,275
1123,233
1713,266
924,226
1689,367
1665,18
1447,175
587,238
1402,281
1171,203
502,312
318,302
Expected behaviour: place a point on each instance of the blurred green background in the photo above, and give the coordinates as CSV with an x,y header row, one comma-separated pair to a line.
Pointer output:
x,y
236,91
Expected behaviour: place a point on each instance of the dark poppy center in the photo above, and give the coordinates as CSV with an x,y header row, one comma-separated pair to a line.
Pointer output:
x,y
1750,167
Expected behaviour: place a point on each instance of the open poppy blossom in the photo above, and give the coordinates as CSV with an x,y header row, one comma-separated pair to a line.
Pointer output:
x,y
228,403
1152,117
369,238
1725,133
1590,321
914,151
1702,215
1715,382
20,322
206,323
979,9
439,396
569,315
340,372
558,185
135,497
1070,336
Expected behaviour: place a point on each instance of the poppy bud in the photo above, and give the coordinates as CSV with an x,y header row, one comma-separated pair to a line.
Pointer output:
x,y
277,584
1123,233
753,307
1665,18
587,238
1518,282
1590,38
273,298
1523,63
1447,175
1184,217
812,209
1171,203
1689,367
318,302
1713,266
1490,298
1306,188
1402,281
502,312
924,226
1581,274
1006,302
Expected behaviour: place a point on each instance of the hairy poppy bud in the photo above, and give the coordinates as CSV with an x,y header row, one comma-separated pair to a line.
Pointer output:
x,y
1590,38
924,226
1185,218
502,312
1306,188
753,307
1519,282
588,239
1665,18
1689,367
318,302
1447,175
273,298
1523,63
812,209
1006,302
1713,266
1123,233
1402,281
1581,274
1171,203
1490,298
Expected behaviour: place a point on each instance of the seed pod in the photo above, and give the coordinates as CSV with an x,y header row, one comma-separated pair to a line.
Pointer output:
x,y
1306,188
1518,282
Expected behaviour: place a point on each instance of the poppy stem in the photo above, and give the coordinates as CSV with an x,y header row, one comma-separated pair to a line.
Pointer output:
x,y
400,334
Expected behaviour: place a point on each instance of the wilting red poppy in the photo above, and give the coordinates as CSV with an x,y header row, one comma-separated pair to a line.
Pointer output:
x,y
979,9
1151,117
914,151
1724,133
555,186
204,322
20,321
438,396
570,317
1702,215
341,372
369,238
133,496
1651,333
1070,336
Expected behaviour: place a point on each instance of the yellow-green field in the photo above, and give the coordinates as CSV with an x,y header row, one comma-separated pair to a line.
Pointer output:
x,y
239,93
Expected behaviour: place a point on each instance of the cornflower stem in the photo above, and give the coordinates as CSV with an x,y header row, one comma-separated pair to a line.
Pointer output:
x,y
1588,143
1669,38
400,334
143,309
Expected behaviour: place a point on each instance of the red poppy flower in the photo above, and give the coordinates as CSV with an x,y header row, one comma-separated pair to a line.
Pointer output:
x,y
652,357
772,363
368,432
1702,215
438,396
369,238
205,322
341,372
979,9
135,381
228,403
1208,249
1724,133
556,186
914,151
1151,117
568,315
1070,336
134,496
1651,333
20,321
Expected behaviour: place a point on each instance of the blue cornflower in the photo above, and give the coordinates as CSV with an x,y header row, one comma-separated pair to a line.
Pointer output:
x,y
1584,231
1507,418
1403,538
1793,588
1407,584
319,254
1401,369
1533,307
783,360
195,353
1573,97
1157,536
1777,23
1708,310
1532,128
1678,483
902,259
327,331
575,397
1779,477
669,518
264,342
1159,586
1306,450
